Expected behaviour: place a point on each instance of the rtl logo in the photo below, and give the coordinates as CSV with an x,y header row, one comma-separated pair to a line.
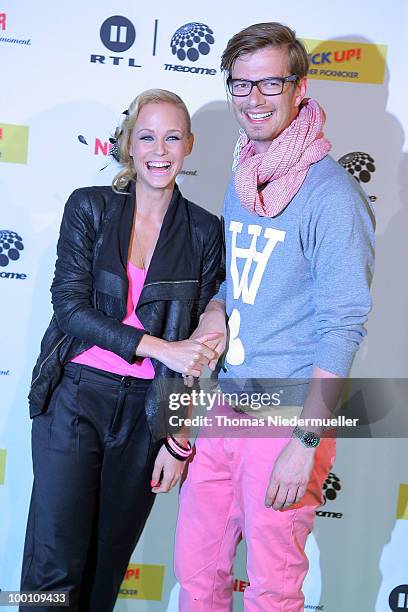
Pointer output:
x,y
398,599
117,34
3,21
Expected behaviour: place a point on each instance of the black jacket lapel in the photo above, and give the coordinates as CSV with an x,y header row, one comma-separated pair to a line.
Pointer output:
x,y
173,272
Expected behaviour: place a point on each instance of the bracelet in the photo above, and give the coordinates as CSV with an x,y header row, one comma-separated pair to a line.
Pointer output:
x,y
179,446
176,450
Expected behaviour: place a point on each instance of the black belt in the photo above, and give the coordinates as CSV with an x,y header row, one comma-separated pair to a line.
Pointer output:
x,y
79,372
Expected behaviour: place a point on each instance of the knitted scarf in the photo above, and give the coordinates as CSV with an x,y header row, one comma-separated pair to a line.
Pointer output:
x,y
267,182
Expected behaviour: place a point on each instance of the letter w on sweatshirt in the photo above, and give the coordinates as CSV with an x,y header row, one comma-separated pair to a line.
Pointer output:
x,y
242,286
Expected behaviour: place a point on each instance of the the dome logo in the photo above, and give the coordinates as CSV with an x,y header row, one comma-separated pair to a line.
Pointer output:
x,y
11,245
192,40
360,165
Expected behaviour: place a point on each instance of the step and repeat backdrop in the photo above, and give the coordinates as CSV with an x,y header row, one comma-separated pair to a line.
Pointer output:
x,y
68,71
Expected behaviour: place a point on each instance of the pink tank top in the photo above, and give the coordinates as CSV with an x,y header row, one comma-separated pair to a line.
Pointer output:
x,y
110,362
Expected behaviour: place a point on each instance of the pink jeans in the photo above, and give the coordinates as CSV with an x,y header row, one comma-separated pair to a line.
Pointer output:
x,y
222,500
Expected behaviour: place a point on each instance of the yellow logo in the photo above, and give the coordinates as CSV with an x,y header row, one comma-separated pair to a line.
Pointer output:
x,y
2,465
13,143
346,61
143,582
402,507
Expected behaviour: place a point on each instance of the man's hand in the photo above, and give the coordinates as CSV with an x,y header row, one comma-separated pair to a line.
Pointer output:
x,y
290,475
211,321
166,472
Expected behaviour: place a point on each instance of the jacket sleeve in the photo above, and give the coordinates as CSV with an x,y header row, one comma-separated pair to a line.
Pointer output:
x,y
72,287
213,269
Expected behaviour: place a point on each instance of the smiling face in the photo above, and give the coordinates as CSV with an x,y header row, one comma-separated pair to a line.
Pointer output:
x,y
159,143
265,117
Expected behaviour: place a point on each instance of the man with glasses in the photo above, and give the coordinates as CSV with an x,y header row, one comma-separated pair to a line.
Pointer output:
x,y
299,260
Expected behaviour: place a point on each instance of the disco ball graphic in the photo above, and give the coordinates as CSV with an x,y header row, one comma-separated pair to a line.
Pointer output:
x,y
10,246
331,487
360,165
192,40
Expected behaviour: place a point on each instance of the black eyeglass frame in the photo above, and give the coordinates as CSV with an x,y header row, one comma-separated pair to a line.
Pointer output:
x,y
289,79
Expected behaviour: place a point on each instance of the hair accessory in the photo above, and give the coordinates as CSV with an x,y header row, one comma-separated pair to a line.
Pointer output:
x,y
114,150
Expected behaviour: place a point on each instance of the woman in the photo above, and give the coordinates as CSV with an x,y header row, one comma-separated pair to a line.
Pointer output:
x,y
136,265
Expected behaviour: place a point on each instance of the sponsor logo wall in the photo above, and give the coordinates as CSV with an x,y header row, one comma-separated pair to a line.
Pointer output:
x,y
66,95
331,490
11,248
402,507
117,35
346,61
399,598
191,43
2,465
13,143
7,32
143,582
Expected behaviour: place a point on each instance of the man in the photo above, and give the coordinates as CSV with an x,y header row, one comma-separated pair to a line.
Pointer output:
x,y
299,260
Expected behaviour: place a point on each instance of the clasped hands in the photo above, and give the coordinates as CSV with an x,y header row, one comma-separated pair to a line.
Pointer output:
x,y
203,348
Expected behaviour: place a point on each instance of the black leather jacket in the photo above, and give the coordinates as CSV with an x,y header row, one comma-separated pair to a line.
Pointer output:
x,y
90,286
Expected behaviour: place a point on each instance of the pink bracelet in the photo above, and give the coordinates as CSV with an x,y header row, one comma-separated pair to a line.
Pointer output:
x,y
178,448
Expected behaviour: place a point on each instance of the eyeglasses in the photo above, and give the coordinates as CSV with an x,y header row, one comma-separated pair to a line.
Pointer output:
x,y
272,86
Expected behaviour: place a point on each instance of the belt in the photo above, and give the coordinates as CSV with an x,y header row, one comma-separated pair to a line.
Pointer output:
x,y
78,372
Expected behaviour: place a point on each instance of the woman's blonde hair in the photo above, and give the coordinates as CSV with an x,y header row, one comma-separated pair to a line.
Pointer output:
x,y
123,133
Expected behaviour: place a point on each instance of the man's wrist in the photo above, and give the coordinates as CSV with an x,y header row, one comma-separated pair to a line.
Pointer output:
x,y
214,307
215,312
309,439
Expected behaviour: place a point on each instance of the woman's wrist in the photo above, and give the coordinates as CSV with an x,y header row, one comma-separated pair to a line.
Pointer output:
x,y
150,346
181,439
178,451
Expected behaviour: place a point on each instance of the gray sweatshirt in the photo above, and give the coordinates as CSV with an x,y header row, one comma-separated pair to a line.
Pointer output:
x,y
297,286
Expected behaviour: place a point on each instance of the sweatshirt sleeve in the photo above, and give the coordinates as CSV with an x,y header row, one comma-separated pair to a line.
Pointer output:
x,y
222,289
338,234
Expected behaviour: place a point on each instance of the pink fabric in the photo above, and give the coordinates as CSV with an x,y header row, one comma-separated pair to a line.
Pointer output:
x,y
102,359
284,165
221,500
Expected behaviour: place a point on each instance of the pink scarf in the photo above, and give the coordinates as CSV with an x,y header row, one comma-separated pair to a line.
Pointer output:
x,y
284,165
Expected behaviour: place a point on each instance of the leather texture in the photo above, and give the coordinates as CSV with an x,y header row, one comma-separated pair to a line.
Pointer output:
x,y
90,285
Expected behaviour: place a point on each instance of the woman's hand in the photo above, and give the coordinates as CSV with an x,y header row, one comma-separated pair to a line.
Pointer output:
x,y
188,357
166,472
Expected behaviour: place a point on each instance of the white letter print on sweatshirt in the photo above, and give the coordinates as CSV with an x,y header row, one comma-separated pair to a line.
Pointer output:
x,y
244,288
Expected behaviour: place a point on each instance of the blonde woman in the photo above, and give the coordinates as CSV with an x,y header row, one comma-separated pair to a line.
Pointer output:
x,y
136,265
